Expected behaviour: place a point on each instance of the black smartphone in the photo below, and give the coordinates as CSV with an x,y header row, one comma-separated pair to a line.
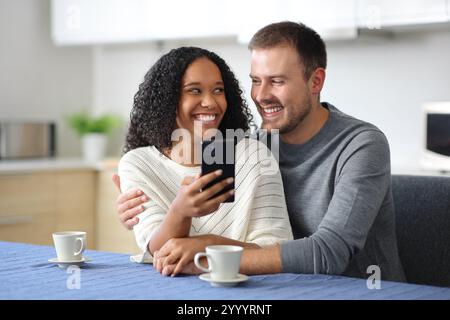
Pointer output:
x,y
219,154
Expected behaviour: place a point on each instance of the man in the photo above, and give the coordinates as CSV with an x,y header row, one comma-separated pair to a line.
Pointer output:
x,y
335,168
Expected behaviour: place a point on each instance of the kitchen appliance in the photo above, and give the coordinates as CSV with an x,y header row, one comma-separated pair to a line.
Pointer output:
x,y
27,139
436,143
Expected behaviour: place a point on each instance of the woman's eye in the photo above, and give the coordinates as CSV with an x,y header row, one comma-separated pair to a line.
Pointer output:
x,y
219,90
194,91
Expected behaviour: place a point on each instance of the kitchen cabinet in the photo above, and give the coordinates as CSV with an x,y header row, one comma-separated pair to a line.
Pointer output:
x,y
376,14
109,233
76,22
38,198
33,205
105,21
75,202
28,208
99,21
330,18
118,21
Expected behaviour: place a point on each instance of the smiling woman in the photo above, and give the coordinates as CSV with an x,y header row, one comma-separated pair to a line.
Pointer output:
x,y
188,88
176,81
202,96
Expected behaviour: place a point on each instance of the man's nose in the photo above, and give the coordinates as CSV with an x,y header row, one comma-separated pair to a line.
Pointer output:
x,y
263,94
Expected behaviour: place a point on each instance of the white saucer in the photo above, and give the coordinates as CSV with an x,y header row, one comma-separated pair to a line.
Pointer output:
x,y
223,283
65,264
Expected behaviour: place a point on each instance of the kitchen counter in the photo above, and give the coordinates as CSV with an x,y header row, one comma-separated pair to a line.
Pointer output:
x,y
56,164
15,166
417,171
48,164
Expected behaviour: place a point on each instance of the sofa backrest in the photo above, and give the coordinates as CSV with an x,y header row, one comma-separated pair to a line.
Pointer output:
x,y
422,207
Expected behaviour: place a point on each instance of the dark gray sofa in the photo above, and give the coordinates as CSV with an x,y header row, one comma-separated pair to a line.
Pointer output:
x,y
422,205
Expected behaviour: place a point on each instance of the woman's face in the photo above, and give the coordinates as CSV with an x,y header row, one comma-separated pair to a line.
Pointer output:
x,y
202,100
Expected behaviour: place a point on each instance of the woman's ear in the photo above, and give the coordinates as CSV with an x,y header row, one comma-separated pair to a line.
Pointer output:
x,y
177,121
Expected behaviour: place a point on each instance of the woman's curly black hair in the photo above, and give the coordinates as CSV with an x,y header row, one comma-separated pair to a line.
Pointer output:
x,y
153,116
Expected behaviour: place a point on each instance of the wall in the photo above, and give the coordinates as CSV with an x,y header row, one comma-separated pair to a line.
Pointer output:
x,y
39,81
119,69
386,80
383,79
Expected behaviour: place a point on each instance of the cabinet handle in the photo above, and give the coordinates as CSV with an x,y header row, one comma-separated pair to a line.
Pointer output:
x,y
11,220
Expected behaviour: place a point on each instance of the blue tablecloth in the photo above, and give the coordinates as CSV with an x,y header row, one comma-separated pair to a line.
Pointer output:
x,y
25,273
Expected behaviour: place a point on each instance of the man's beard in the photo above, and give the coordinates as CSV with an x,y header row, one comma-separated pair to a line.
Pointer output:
x,y
294,119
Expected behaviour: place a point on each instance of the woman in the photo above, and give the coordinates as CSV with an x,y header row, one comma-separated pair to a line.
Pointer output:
x,y
186,89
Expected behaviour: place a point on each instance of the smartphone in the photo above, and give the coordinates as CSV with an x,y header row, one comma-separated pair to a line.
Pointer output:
x,y
219,154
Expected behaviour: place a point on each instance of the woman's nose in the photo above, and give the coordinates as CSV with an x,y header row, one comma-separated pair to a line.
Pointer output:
x,y
208,101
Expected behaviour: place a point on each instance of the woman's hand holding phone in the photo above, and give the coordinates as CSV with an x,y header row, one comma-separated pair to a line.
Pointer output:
x,y
193,200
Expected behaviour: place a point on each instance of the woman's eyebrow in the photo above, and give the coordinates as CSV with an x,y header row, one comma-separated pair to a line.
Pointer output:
x,y
191,84
198,84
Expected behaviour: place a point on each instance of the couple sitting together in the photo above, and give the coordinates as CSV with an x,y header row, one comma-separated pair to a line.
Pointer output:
x,y
325,205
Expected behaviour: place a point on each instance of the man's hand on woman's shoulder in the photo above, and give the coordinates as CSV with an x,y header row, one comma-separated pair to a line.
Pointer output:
x,y
129,204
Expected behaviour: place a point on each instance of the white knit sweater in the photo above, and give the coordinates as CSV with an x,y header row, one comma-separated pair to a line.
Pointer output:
x,y
257,215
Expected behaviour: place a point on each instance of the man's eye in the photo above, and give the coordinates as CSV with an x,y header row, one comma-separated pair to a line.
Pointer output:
x,y
277,81
255,81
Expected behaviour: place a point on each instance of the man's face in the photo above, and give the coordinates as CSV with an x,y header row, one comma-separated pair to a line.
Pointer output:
x,y
279,89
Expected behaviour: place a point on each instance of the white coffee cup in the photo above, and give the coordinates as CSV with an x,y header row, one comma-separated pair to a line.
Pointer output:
x,y
223,261
69,245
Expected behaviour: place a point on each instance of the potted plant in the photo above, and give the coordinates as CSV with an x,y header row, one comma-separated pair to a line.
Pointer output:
x,y
93,132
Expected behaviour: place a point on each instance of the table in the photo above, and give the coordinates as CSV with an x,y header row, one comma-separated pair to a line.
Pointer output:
x,y
25,273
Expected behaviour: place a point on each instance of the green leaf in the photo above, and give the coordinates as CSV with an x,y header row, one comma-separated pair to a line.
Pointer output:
x,y
83,123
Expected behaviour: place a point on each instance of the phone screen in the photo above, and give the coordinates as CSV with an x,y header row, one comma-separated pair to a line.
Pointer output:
x,y
219,154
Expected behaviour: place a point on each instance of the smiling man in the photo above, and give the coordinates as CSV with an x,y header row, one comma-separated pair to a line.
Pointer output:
x,y
285,93
335,168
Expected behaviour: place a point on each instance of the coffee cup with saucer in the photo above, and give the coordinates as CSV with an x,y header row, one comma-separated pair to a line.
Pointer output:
x,y
66,264
69,246
224,282
223,265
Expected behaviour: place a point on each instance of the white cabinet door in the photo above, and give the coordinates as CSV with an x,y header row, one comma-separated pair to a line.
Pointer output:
x,y
114,21
374,14
332,19
99,21
177,19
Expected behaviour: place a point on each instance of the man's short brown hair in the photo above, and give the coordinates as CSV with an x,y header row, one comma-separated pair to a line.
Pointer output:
x,y
309,45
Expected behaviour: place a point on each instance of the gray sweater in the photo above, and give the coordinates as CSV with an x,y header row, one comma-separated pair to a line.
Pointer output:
x,y
339,199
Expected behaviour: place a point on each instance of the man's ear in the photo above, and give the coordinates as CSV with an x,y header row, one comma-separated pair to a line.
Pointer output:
x,y
317,80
